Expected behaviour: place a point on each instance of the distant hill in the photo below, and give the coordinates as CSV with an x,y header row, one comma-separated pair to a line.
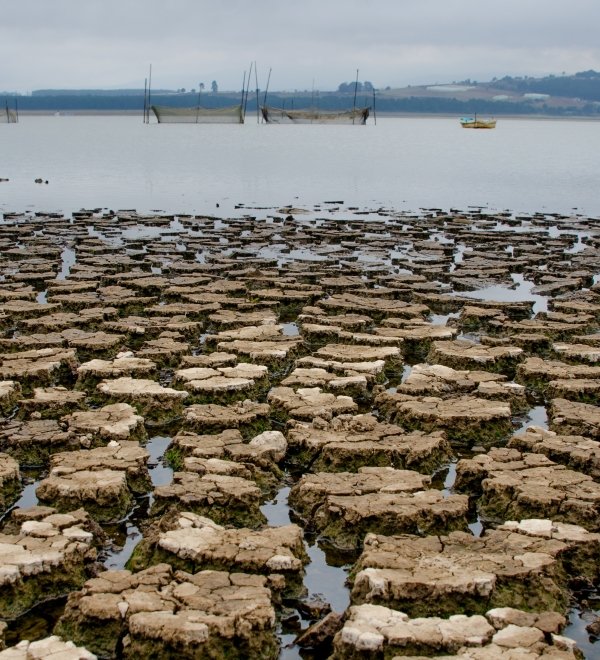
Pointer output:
x,y
555,95
94,92
577,94
584,85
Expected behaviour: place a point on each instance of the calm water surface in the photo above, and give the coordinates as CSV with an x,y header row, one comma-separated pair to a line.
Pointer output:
x,y
404,163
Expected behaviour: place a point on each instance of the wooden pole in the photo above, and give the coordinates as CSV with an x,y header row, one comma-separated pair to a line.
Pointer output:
x,y
149,92
267,87
256,81
247,90
242,101
198,108
145,97
355,90
374,110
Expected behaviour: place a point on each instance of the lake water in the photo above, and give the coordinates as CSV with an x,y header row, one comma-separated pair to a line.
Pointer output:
x,y
524,165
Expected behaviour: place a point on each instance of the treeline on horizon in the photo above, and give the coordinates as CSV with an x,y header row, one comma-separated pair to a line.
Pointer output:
x,y
327,101
582,88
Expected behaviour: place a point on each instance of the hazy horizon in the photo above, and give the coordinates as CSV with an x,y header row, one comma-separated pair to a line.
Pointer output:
x,y
316,44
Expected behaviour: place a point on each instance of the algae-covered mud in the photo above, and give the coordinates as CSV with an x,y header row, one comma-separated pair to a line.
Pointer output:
x,y
322,433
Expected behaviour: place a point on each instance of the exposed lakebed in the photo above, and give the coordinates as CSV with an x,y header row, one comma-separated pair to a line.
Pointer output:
x,y
308,435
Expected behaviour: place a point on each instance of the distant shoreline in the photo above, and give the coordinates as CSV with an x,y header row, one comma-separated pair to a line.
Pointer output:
x,y
380,115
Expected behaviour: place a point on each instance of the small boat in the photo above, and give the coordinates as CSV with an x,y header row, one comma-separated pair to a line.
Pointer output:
x,y
233,114
272,115
475,122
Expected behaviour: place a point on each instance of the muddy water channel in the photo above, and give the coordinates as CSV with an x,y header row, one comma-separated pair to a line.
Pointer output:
x,y
292,433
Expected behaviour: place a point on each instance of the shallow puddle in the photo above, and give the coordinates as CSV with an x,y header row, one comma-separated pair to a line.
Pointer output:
x,y
519,293
579,618
321,578
126,534
537,416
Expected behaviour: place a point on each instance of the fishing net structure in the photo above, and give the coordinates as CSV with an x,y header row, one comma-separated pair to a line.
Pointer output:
x,y
8,116
281,116
168,115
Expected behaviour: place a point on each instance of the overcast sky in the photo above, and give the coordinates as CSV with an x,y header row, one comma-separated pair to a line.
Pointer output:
x,y
110,43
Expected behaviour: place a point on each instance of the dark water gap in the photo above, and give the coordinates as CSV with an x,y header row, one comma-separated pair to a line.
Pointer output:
x,y
322,579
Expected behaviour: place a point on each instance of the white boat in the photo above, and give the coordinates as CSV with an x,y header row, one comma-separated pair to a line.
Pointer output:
x,y
272,115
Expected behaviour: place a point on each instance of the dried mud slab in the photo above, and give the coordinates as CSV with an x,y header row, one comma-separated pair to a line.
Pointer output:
x,y
374,631
44,367
473,318
442,381
120,297
166,351
511,485
537,373
417,336
33,341
117,421
521,564
92,344
143,328
10,393
10,481
22,309
158,612
276,354
49,647
44,555
223,385
260,457
247,416
33,441
87,319
192,543
89,374
307,403
125,456
343,507
349,442
376,308
560,329
467,420
352,353
353,386
372,370
574,451
224,498
153,401
579,353
577,389
230,319
52,402
103,492
572,418
467,355
322,334
209,360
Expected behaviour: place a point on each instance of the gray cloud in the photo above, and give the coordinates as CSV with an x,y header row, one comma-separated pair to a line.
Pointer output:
x,y
101,43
